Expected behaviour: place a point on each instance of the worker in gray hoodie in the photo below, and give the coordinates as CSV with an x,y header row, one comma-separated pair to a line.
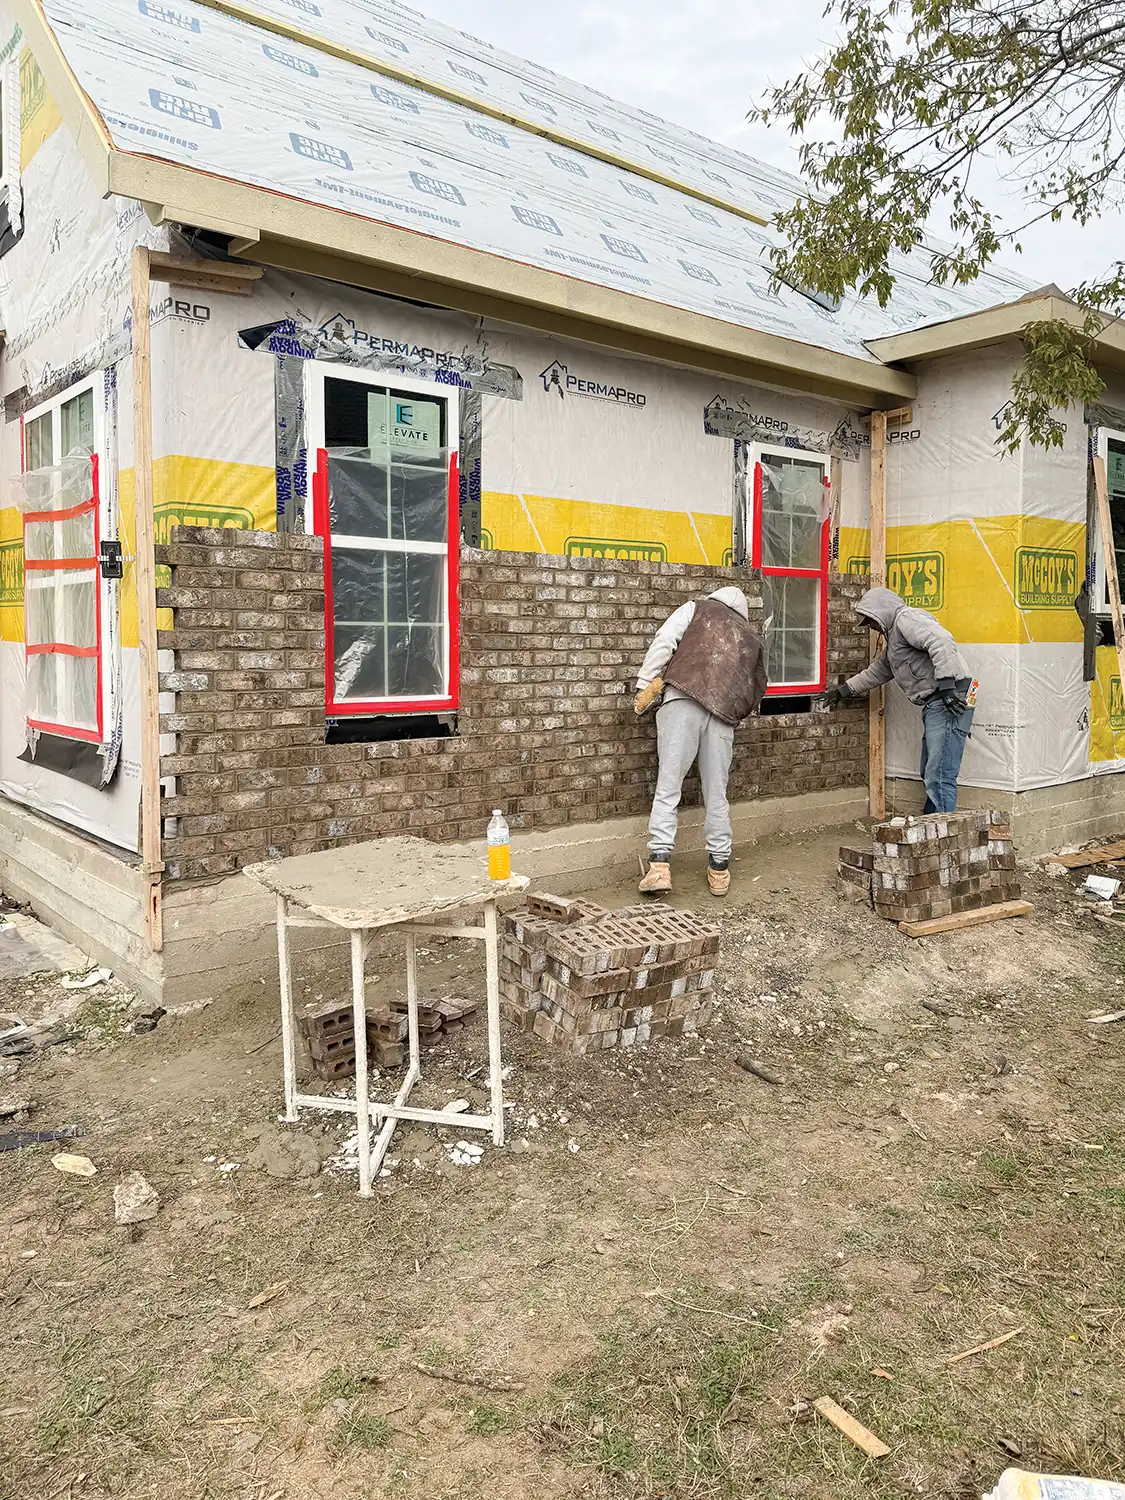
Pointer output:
x,y
924,660
705,664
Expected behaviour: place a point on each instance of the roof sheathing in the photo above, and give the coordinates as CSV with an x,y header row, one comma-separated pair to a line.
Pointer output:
x,y
536,223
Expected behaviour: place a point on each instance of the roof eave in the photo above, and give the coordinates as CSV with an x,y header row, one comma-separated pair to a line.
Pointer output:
x,y
976,330
274,229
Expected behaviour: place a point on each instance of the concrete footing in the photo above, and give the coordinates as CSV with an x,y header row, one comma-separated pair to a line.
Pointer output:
x,y
221,934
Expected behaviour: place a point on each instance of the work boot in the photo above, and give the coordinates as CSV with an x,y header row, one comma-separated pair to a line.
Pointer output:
x,y
658,880
718,877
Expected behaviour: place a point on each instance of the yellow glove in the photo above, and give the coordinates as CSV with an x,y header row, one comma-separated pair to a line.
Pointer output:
x,y
648,696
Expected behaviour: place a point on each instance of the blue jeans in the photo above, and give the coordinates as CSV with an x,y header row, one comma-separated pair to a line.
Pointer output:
x,y
943,744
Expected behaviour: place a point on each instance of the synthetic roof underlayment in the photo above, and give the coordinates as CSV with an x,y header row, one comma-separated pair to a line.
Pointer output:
x,y
182,82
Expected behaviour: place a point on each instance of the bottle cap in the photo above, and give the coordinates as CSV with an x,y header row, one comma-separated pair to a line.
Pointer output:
x,y
496,813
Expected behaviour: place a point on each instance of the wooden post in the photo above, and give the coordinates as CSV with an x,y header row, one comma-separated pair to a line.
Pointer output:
x,y
1109,553
152,865
876,753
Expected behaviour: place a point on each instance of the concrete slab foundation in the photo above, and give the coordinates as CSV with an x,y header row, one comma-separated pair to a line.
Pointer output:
x,y
221,934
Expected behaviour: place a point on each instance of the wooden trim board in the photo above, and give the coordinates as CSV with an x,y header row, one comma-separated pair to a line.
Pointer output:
x,y
961,919
1101,854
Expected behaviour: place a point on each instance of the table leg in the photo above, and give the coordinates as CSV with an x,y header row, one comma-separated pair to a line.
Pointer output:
x,y
362,1096
492,980
412,1000
288,1039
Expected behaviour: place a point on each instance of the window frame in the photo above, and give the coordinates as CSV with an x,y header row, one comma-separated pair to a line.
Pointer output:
x,y
1100,600
756,453
95,384
318,372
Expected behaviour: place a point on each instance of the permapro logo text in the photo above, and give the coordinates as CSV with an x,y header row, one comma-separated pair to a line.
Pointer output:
x,y
557,378
615,549
917,577
1046,578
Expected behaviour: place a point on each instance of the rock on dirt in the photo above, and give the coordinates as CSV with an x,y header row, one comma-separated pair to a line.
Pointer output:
x,y
286,1153
134,1200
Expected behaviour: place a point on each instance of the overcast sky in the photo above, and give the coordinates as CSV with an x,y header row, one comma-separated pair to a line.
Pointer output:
x,y
703,62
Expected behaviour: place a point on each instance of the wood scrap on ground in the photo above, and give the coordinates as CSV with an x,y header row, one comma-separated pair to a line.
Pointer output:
x,y
1003,1338
961,919
751,1065
1101,854
854,1431
482,1382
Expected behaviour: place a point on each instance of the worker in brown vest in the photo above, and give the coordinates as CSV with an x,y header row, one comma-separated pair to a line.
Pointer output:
x,y
707,662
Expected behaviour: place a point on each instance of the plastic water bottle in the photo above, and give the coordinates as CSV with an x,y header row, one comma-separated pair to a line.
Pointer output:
x,y
499,848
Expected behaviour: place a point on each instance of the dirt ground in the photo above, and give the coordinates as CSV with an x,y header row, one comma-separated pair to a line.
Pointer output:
x,y
643,1292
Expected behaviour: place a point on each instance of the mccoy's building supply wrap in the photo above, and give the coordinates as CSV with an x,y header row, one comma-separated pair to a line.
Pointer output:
x,y
994,546
388,151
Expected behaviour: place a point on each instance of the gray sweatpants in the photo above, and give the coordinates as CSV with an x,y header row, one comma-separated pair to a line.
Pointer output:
x,y
685,730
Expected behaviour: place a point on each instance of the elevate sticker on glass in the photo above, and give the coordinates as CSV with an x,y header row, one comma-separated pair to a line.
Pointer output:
x,y
404,425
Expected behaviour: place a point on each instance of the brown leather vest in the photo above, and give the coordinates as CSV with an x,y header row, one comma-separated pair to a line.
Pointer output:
x,y
719,663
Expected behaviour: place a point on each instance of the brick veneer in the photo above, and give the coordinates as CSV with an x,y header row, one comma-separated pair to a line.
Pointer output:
x,y
545,729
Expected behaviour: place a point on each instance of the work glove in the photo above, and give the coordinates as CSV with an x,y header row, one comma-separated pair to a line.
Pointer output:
x,y
837,693
954,701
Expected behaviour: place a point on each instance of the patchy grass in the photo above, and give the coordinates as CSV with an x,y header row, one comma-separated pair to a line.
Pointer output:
x,y
366,1431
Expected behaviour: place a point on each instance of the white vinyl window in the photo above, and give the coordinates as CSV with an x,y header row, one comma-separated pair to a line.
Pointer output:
x,y
65,597
1111,446
386,502
787,521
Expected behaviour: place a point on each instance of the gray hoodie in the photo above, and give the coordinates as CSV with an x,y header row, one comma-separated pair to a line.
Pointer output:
x,y
918,654
671,633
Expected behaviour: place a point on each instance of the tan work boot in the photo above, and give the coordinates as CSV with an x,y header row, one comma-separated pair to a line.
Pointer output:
x,y
718,881
658,880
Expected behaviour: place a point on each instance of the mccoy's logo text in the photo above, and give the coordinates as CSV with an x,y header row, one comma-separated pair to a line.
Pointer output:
x,y
1116,704
556,377
11,572
216,516
616,550
917,577
1046,578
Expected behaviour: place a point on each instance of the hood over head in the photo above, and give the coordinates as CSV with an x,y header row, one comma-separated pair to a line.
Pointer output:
x,y
880,607
733,599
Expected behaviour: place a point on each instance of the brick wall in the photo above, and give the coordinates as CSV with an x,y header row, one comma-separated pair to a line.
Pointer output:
x,y
546,727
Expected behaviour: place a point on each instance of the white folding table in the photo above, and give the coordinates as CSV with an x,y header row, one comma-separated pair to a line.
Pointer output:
x,y
396,882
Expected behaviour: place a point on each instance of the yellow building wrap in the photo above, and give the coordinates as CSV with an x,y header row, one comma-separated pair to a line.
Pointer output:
x,y
1107,709
1002,580
39,114
187,492
11,574
583,528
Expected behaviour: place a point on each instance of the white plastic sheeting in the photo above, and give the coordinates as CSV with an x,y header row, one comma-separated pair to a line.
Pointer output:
x,y
183,83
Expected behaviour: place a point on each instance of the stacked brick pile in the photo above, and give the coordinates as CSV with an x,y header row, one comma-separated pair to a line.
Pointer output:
x,y
329,1034
920,868
610,979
